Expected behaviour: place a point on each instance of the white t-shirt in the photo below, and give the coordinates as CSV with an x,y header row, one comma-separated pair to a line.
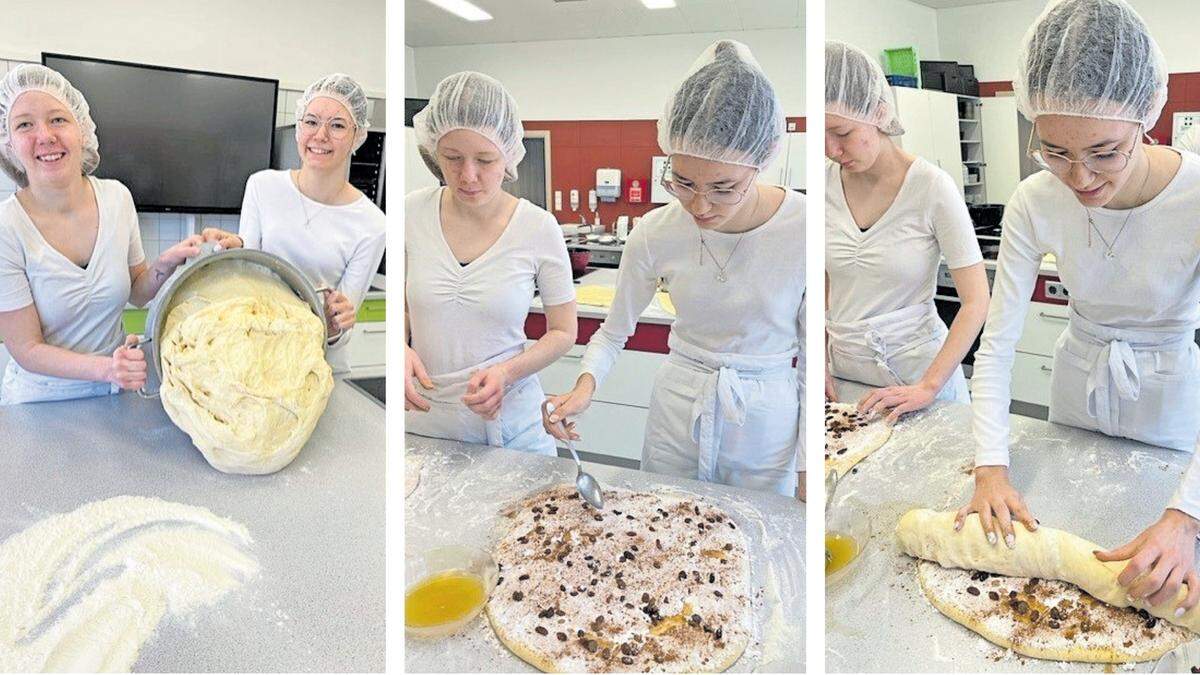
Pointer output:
x,y
460,316
80,308
893,264
757,311
334,246
1153,284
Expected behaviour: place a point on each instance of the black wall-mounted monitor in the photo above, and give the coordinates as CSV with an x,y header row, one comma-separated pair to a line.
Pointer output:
x,y
180,140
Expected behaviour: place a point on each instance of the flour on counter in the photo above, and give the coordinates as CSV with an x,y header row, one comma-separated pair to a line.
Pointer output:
x,y
82,591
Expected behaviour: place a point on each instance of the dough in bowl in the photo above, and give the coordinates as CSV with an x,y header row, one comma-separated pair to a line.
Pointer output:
x,y
244,371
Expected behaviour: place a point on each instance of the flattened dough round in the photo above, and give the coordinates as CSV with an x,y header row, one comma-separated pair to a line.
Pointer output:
x,y
653,582
244,371
1047,554
851,436
1047,619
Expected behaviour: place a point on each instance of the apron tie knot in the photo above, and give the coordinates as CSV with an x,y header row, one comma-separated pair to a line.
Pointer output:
x,y
1114,376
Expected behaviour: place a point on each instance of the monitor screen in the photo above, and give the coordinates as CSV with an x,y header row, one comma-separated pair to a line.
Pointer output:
x,y
180,140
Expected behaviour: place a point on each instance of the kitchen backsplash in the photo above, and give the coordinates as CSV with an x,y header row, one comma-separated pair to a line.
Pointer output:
x,y
161,230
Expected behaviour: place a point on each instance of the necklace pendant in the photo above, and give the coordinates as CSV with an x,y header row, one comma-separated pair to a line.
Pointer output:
x,y
1109,254
721,277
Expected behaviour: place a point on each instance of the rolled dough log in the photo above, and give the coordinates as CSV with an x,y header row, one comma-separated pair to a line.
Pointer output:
x,y
1045,554
244,372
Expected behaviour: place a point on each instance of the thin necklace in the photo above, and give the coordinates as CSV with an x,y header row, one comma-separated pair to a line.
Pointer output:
x,y
722,276
1109,253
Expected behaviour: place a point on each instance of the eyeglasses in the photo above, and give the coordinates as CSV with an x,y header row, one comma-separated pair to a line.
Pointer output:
x,y
1108,161
337,127
723,196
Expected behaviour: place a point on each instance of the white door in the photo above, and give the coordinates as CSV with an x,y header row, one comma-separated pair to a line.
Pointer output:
x,y
947,146
795,172
912,106
416,174
1002,147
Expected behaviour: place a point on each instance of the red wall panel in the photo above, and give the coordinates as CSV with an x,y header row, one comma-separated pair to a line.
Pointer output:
x,y
1183,94
578,148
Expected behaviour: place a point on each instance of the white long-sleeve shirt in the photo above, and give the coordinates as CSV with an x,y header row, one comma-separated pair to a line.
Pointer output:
x,y
334,246
758,311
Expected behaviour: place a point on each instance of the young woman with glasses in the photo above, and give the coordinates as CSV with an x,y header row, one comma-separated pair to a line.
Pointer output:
x,y
726,404
312,216
890,218
1120,217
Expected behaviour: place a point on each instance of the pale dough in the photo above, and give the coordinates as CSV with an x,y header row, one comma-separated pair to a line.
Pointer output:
x,y
244,371
1045,554
1047,619
651,583
845,447
82,591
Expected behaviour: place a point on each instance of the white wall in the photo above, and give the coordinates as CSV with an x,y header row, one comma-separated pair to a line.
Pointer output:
x,y
295,41
989,36
875,25
611,78
411,86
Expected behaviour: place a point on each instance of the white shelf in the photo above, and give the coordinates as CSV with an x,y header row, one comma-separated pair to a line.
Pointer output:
x,y
965,141
965,119
975,184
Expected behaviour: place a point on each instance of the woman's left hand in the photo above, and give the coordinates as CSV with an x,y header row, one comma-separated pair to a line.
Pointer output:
x,y
339,313
485,391
174,257
899,400
1160,559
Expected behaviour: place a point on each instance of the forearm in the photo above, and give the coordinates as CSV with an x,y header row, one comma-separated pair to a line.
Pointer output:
x,y
958,342
546,350
145,285
45,359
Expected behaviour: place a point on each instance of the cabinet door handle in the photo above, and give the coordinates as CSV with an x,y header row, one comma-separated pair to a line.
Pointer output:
x,y
1046,369
367,329
1052,316
573,357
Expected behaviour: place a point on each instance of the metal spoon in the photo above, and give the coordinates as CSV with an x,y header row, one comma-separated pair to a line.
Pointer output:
x,y
588,488
831,482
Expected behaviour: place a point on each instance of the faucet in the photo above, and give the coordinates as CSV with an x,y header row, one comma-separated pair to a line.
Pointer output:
x,y
582,220
597,226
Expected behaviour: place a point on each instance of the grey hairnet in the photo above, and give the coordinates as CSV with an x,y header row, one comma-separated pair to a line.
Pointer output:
x,y
725,110
34,77
1091,58
856,89
479,103
344,90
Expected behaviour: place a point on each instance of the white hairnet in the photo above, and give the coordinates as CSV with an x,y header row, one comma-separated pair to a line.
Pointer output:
x,y
344,90
34,77
1091,58
855,88
725,110
479,103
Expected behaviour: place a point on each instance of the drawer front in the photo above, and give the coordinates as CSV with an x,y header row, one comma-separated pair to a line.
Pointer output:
x,y
368,345
613,430
1043,324
628,383
1031,378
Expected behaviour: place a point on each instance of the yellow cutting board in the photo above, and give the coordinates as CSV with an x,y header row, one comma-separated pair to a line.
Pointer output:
x,y
602,296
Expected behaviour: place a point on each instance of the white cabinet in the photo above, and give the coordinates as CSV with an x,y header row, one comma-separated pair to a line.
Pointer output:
x,y
1031,378
615,423
931,130
1002,140
367,349
1034,360
788,169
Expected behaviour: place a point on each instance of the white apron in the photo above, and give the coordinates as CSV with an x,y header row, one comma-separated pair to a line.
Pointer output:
x,y
22,386
724,418
893,349
517,427
1125,383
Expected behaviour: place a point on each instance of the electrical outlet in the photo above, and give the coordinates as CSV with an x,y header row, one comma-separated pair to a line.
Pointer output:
x,y
558,200
1055,289
1181,122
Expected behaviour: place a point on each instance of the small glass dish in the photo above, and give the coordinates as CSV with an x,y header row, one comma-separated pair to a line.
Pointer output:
x,y
851,528
445,589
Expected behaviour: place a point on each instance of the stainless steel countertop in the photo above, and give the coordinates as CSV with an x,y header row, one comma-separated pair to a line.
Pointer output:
x,y
1104,489
318,525
463,486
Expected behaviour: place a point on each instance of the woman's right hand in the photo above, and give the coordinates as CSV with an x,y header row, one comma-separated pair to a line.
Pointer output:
x,y
568,405
225,240
830,390
127,368
998,504
414,369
